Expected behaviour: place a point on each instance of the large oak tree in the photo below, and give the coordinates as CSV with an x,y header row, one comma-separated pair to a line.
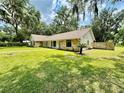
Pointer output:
x,y
19,13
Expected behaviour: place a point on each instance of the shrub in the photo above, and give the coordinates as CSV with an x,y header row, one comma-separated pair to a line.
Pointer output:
x,y
9,44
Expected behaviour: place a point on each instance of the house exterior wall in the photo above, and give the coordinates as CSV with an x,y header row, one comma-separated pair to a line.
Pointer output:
x,y
44,44
87,39
75,44
62,44
74,47
37,44
57,44
49,44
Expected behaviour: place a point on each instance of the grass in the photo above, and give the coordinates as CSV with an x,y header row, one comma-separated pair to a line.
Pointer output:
x,y
41,70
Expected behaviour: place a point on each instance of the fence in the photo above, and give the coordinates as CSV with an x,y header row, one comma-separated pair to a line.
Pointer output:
x,y
104,45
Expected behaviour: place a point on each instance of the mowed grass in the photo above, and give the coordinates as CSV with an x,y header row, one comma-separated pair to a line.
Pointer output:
x,y
42,70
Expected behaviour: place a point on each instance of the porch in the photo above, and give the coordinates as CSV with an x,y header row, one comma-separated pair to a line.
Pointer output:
x,y
71,44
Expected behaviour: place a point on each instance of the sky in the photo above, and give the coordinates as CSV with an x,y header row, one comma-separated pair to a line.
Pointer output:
x,y
48,10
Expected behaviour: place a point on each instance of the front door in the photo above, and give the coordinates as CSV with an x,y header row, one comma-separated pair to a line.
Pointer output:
x,y
41,44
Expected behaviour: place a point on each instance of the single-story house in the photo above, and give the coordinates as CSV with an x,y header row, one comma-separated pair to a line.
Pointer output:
x,y
67,41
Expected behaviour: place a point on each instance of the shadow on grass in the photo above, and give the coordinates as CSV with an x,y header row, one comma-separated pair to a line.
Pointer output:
x,y
2,48
119,58
62,74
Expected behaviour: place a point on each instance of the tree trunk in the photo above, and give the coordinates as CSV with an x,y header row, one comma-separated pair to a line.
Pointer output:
x,y
81,50
17,34
16,29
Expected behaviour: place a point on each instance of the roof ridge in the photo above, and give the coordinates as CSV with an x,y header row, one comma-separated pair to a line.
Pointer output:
x,y
61,36
72,31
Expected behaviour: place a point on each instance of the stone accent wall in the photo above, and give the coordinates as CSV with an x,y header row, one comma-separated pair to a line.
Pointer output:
x,y
37,44
75,43
74,47
60,44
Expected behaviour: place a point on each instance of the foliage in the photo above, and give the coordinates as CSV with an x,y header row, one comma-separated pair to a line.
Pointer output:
x,y
6,37
120,36
80,6
40,70
64,21
10,44
82,45
106,25
13,11
24,19
23,34
19,13
31,20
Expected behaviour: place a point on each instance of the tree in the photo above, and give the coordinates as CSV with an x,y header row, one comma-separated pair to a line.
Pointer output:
x,y
12,12
106,25
79,6
6,37
49,29
64,21
81,46
31,19
6,33
19,14
120,36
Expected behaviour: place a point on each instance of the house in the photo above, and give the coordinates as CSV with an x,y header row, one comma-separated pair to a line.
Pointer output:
x,y
66,41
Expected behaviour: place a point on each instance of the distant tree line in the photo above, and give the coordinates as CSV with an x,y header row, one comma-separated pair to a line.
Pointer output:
x,y
108,26
22,19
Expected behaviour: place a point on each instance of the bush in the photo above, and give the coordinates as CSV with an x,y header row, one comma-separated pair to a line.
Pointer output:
x,y
9,44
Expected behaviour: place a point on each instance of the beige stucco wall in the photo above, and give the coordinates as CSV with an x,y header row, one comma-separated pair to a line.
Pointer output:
x,y
104,45
44,44
40,44
75,43
57,44
61,44
88,39
37,44
49,43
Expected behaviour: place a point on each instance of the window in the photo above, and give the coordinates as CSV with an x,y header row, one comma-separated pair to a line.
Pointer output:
x,y
46,44
88,42
54,43
68,43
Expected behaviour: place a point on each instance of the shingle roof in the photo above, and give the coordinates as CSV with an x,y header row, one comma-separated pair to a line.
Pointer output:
x,y
38,37
62,36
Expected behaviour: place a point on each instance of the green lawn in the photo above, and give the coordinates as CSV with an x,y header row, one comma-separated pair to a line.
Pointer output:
x,y
41,70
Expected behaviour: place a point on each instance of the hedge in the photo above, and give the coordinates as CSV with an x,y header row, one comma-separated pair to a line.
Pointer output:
x,y
9,44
